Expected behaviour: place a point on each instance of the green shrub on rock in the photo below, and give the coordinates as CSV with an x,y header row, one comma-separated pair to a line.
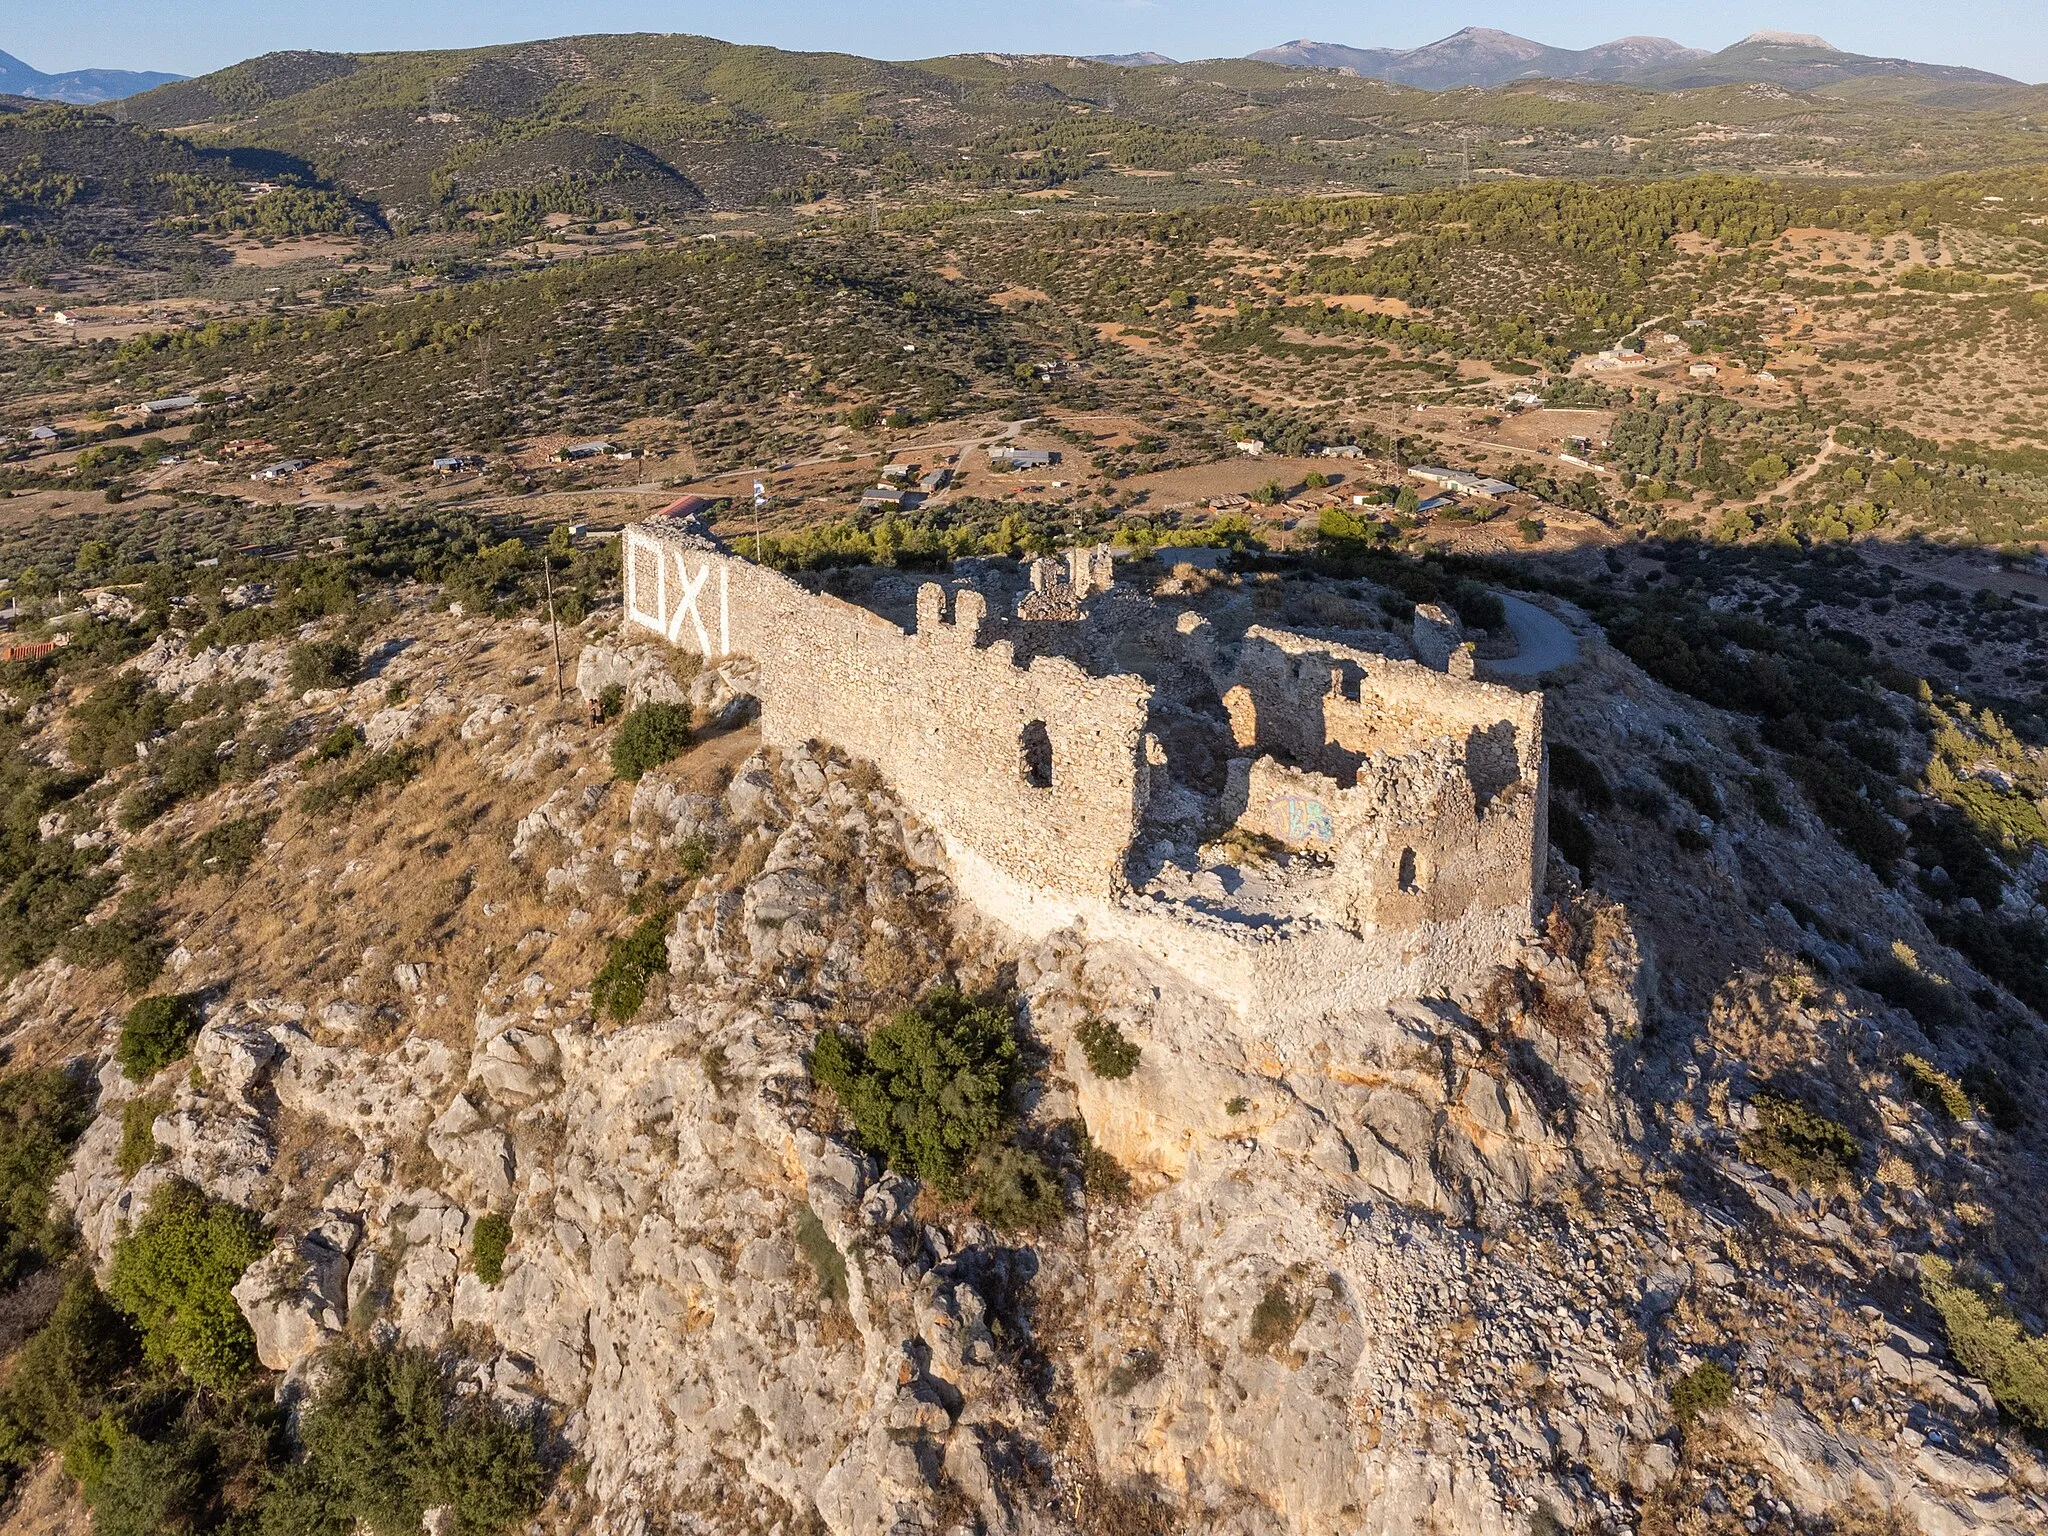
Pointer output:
x,y
139,1147
1934,1087
157,1031
387,1438
487,1246
368,773
649,737
927,1090
62,1373
1109,1053
1989,1342
826,1261
1701,1390
323,664
41,1114
1802,1144
135,1486
632,961
1015,1191
175,1276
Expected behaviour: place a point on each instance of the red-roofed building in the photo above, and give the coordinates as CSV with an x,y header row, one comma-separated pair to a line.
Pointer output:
x,y
689,506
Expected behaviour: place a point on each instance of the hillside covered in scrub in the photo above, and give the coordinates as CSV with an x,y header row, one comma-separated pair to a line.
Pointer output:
x,y
586,1115
456,1076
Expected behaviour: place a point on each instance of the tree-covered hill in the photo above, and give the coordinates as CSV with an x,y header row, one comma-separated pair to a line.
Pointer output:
x,y
648,124
76,181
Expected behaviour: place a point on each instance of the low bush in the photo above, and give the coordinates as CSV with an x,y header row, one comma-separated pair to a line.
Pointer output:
x,y
1990,1342
1571,769
139,1147
1693,782
632,960
66,1369
136,1486
398,765
1768,799
387,1438
1840,794
1109,1054
488,1245
157,1031
42,1114
323,664
611,701
1931,1000
1802,1144
226,851
337,744
1014,1190
127,941
929,1089
1934,1087
2012,951
1102,1176
1277,1317
649,737
823,1255
1702,1389
1133,1371
174,1275
693,855
2000,1104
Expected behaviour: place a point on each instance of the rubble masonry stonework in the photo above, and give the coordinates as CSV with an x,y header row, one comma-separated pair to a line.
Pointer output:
x,y
1410,800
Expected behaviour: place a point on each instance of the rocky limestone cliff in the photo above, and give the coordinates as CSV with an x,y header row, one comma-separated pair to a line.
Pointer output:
x,y
1430,1267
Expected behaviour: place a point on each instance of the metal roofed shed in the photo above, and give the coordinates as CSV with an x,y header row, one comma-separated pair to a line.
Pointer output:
x,y
168,404
1022,458
882,496
1464,481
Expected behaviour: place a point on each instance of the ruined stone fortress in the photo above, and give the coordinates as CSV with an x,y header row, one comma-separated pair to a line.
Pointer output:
x,y
1294,824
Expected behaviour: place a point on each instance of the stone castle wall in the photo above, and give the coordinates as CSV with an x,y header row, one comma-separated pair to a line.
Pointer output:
x,y
1035,769
1426,791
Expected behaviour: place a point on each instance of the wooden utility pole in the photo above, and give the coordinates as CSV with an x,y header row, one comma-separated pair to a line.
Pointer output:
x,y
547,566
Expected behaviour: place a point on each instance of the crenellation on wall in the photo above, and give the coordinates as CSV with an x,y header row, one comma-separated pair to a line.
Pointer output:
x,y
1074,756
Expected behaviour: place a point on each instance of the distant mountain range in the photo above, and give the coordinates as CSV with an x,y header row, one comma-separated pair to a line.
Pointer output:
x,y
1484,57
82,87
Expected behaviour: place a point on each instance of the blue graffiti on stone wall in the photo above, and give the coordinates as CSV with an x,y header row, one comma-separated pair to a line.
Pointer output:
x,y
1299,819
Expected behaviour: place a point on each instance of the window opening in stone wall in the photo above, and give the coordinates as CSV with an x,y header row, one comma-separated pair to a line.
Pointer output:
x,y
1034,755
1409,878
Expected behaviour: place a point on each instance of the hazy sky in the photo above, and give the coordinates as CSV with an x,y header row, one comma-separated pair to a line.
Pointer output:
x,y
194,36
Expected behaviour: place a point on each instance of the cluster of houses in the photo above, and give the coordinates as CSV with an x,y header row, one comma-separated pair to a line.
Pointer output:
x,y
901,486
